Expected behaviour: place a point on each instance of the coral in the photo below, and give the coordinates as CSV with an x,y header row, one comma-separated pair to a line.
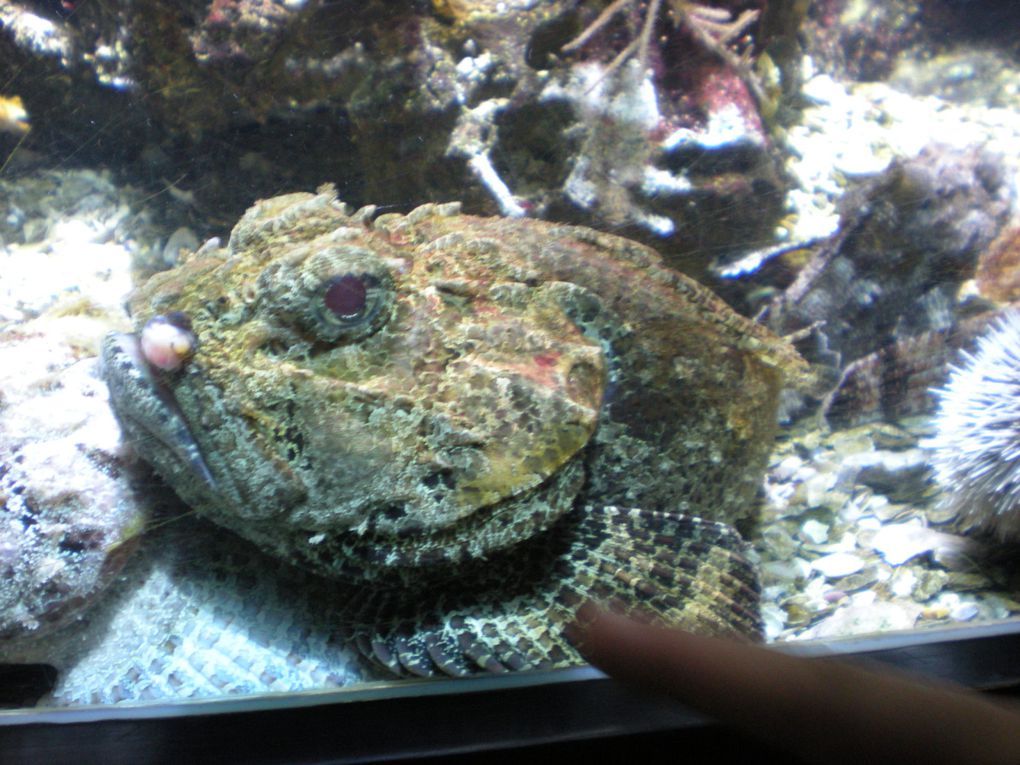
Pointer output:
x,y
241,29
449,99
713,28
863,40
670,138
976,450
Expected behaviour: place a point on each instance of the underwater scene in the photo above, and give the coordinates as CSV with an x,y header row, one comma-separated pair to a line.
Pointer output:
x,y
346,341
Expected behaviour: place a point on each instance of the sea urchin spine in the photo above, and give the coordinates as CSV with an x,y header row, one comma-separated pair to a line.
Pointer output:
x,y
976,450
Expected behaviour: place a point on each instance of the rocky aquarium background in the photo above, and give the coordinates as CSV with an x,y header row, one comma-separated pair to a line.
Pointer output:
x,y
843,172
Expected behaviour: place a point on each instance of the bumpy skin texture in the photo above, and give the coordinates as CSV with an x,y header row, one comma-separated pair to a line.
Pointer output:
x,y
200,613
446,408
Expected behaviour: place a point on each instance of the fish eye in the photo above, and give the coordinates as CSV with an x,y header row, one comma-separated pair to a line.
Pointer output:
x,y
336,294
347,296
350,306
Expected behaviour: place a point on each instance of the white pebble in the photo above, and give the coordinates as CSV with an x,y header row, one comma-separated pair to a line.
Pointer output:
x,y
815,531
837,565
900,542
903,583
775,620
964,612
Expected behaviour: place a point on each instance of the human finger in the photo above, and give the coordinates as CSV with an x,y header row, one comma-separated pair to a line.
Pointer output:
x,y
825,710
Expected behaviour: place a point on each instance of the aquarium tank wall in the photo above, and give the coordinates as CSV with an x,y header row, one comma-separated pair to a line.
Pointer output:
x,y
353,345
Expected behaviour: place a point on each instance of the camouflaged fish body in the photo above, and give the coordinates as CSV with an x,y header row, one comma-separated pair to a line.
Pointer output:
x,y
445,412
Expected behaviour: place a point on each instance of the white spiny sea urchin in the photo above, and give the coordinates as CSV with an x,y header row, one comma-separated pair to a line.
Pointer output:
x,y
976,450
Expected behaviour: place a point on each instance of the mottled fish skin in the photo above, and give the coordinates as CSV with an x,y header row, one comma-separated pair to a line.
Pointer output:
x,y
444,414
200,613
436,423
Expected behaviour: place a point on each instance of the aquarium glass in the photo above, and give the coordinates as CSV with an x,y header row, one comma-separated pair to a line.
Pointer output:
x,y
363,342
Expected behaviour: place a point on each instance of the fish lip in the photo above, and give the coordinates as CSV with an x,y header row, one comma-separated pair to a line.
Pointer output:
x,y
409,559
137,387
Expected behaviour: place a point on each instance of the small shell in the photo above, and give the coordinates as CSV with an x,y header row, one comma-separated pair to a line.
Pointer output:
x,y
167,342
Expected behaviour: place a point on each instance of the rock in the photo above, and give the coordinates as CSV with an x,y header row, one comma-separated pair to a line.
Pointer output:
x,y
943,514
884,275
935,612
864,40
899,543
181,241
797,615
817,489
913,564
853,441
892,438
73,512
965,76
964,612
884,510
930,582
71,517
966,581
897,381
788,468
477,101
901,476
859,580
998,269
837,565
815,532
865,617
903,583
775,620
781,571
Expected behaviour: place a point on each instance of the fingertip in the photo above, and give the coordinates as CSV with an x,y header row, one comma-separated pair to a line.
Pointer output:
x,y
578,628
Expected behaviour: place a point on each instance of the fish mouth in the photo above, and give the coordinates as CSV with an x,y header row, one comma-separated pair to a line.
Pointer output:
x,y
413,556
148,410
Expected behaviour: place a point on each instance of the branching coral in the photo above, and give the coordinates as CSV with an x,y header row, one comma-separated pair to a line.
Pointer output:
x,y
713,29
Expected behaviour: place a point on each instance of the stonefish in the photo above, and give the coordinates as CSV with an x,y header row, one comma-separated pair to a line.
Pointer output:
x,y
463,426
